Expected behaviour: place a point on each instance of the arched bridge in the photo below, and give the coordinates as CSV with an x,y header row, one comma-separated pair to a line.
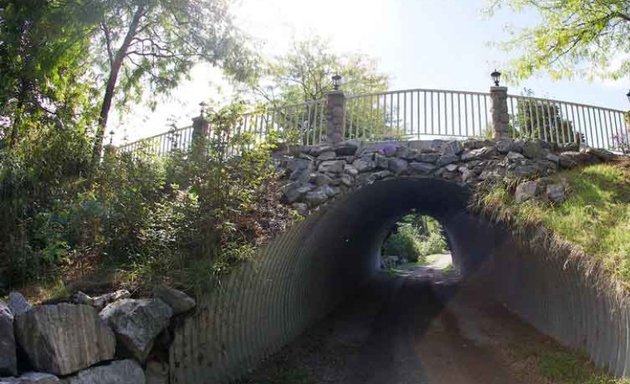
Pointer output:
x,y
351,193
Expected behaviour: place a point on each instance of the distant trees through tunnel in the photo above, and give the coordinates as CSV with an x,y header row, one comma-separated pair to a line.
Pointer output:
x,y
416,238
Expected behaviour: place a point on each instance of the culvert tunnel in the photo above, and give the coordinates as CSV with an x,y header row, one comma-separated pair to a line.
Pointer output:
x,y
301,275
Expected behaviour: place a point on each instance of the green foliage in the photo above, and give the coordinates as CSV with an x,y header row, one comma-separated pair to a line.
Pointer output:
x,y
543,120
43,66
187,219
304,75
415,238
595,217
583,37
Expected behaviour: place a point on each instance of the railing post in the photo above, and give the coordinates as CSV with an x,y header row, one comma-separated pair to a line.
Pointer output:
x,y
335,116
500,115
201,127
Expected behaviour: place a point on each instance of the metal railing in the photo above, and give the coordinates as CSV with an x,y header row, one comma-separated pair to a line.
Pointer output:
x,y
420,114
163,143
417,114
565,122
304,123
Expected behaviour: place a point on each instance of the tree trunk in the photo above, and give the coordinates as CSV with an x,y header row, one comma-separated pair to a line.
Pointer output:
x,y
110,90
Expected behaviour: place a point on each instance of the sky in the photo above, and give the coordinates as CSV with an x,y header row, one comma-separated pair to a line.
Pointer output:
x,y
432,44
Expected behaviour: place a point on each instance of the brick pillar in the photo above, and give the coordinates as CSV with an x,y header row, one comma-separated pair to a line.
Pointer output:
x,y
335,114
500,116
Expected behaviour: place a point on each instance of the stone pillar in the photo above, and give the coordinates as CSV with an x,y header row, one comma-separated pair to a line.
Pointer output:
x,y
500,116
335,115
201,127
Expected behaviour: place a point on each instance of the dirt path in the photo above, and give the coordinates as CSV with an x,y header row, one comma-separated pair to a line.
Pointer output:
x,y
418,326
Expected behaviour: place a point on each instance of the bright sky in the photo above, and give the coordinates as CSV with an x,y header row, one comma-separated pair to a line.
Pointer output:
x,y
420,43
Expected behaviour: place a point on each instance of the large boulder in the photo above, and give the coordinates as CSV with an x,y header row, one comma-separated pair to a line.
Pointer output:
x,y
178,300
18,303
118,372
36,378
64,338
137,323
8,359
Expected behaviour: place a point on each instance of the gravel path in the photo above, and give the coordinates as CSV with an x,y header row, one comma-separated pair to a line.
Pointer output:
x,y
413,327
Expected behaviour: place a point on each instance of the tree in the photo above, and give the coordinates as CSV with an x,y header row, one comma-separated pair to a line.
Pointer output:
x,y
584,37
43,65
304,75
156,42
543,120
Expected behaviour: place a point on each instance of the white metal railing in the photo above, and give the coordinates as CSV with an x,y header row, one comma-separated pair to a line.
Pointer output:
x,y
565,122
421,114
304,122
163,143
417,113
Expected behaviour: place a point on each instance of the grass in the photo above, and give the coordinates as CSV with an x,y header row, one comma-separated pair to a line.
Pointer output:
x,y
595,217
562,366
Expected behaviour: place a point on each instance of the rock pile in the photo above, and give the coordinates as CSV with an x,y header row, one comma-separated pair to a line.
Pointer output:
x,y
83,343
314,175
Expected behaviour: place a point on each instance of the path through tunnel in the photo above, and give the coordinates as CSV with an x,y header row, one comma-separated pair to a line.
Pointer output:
x,y
334,253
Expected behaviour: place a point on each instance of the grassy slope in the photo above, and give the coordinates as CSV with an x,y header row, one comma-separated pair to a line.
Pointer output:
x,y
595,217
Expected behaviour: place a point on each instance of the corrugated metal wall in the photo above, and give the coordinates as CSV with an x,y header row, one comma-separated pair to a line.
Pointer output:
x,y
301,275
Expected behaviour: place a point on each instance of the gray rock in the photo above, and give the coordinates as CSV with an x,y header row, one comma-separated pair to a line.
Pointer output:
x,y
137,323
476,154
8,358
381,161
156,372
319,149
453,147
602,154
18,303
552,157
330,155
475,144
363,165
347,180
524,170
295,191
38,378
398,165
569,159
504,146
467,174
380,175
316,197
424,168
117,372
331,191
351,169
451,167
533,149
332,166
347,148
176,299
298,164
556,193
100,302
405,152
320,179
447,159
514,156
428,157
64,338
526,191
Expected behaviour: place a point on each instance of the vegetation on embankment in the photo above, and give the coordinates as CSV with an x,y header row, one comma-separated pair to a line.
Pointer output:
x,y
414,238
136,220
594,218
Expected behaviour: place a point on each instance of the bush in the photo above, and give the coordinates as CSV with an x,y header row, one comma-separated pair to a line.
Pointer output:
x,y
415,238
187,219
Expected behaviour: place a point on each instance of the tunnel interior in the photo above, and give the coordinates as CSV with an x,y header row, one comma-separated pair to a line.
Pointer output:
x,y
303,274
355,227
